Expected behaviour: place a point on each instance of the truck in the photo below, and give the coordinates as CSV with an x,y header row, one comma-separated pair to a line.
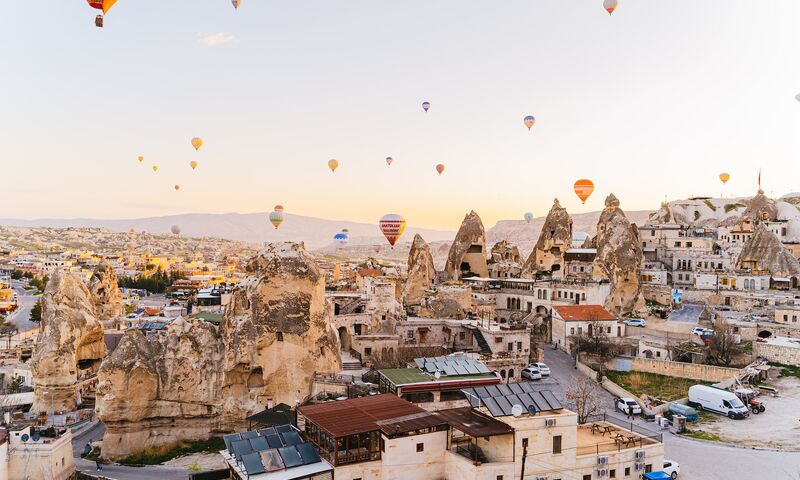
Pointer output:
x,y
723,402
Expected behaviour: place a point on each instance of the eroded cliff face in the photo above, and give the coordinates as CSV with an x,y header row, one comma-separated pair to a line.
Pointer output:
x,y
554,240
195,379
70,344
764,251
467,256
421,272
106,295
619,257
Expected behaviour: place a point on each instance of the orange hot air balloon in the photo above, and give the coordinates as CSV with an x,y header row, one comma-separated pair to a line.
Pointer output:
x,y
392,226
333,165
104,5
610,5
440,168
155,168
278,208
141,159
724,177
177,187
193,164
584,188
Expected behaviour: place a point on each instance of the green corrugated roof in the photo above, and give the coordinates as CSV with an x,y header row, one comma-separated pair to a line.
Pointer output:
x,y
209,317
406,376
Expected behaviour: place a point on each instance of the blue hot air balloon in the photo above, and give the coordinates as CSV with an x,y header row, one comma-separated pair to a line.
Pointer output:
x,y
341,239
426,105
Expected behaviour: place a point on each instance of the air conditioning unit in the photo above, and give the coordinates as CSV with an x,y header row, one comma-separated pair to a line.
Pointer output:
x,y
639,466
639,454
541,478
602,460
549,422
601,472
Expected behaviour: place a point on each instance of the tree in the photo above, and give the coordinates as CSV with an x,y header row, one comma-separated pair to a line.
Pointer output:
x,y
723,348
16,385
597,342
36,312
583,394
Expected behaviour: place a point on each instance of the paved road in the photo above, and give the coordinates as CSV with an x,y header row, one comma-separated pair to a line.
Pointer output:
x,y
21,316
698,460
119,472
686,314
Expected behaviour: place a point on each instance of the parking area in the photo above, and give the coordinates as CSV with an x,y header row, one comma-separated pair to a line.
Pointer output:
x,y
778,427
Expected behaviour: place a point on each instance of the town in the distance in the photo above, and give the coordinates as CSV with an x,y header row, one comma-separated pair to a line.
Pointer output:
x,y
599,346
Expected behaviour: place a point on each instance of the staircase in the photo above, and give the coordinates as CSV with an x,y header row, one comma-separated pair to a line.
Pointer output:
x,y
478,336
350,363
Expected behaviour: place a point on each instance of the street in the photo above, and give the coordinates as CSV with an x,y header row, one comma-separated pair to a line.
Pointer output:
x,y
26,300
699,460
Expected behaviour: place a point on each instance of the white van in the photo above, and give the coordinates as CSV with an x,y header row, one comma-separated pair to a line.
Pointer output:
x,y
717,400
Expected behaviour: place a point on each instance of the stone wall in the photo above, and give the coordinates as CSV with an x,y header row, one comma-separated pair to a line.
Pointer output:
x,y
777,353
706,373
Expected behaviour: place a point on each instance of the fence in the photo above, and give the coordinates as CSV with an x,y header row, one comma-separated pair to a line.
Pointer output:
x,y
211,475
626,424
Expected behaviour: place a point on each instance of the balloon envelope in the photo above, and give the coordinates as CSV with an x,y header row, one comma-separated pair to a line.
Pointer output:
x,y
278,208
141,159
177,187
610,5
197,142
389,160
392,226
276,218
193,164
104,5
797,97
528,217
529,121
426,105
236,3
724,177
584,188
341,239
175,229
333,165
440,168
155,168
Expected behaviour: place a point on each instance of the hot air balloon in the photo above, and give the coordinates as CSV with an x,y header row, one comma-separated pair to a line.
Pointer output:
x,y
193,164
529,121
175,230
584,188
440,168
141,159
276,218
236,3
104,5
278,208
392,225
341,239
610,5
389,160
333,165
177,187
426,105
155,168
797,97
197,142
724,177
528,217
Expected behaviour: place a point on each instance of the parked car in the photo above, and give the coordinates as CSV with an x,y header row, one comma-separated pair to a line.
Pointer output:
x,y
698,330
542,367
531,373
623,404
635,322
717,400
671,468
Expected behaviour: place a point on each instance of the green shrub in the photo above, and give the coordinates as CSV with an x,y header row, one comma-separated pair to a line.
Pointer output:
x,y
696,215
732,206
165,453
710,205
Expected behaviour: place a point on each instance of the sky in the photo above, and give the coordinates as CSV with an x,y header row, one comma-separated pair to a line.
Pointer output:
x,y
652,102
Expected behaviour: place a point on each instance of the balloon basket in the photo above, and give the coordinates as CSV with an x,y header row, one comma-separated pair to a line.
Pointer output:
x,y
98,21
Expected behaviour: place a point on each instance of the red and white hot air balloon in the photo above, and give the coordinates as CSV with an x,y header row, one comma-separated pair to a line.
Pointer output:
x,y
392,226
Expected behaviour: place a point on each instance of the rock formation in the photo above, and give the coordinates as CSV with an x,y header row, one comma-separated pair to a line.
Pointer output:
x,y
554,239
619,257
421,272
765,252
505,260
760,208
666,214
70,343
106,296
467,256
195,379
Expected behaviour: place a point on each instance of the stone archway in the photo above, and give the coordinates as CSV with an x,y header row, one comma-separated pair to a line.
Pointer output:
x,y
648,354
345,339
764,334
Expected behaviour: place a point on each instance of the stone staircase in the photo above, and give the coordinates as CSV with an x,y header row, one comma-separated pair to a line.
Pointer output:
x,y
350,363
482,343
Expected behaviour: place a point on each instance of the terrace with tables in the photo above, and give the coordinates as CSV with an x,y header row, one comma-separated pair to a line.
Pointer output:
x,y
600,437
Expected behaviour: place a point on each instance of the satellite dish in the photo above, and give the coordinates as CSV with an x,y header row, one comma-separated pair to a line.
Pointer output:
x,y
35,437
24,437
437,375
517,410
532,410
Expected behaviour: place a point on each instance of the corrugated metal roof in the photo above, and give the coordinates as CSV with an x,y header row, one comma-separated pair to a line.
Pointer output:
x,y
357,415
473,423
409,423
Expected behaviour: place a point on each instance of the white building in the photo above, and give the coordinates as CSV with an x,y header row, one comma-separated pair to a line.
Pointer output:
x,y
37,454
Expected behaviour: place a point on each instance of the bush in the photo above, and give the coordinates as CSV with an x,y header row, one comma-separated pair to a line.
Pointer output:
x,y
710,205
696,215
165,453
732,206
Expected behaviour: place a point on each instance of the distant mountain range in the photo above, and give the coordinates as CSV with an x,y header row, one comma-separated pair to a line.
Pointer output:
x,y
315,232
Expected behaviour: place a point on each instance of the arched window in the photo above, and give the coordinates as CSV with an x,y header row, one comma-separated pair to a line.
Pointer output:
x,y
510,373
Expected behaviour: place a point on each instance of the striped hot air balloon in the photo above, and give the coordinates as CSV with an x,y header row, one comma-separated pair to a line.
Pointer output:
x,y
584,188
392,226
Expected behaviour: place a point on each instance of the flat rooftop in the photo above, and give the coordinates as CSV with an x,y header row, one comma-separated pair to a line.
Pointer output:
x,y
591,443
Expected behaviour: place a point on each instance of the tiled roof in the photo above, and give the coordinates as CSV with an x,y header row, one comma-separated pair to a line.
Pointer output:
x,y
583,313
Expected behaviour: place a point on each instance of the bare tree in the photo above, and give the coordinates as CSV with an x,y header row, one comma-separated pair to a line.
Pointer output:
x,y
597,342
723,349
583,394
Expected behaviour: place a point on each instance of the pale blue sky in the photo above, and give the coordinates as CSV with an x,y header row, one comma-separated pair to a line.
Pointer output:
x,y
655,100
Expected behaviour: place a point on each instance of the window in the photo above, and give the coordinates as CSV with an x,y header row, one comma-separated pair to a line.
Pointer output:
x,y
794,318
499,477
587,477
786,318
612,473
648,468
627,471
510,373
462,335
510,346
410,334
677,244
524,442
420,447
688,244
367,351
572,331
519,344
557,445
279,336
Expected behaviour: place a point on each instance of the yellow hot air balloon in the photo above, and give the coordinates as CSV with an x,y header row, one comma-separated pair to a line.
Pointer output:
x,y
193,164
155,168
141,159
333,165
724,177
197,142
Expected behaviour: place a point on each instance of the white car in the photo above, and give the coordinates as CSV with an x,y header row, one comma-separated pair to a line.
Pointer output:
x,y
542,367
671,468
635,322
623,404
532,373
701,331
